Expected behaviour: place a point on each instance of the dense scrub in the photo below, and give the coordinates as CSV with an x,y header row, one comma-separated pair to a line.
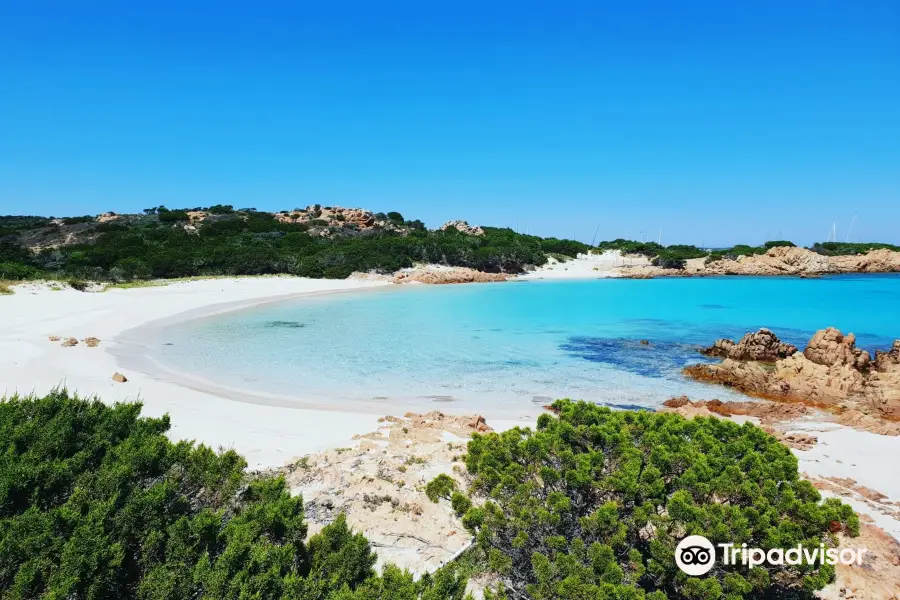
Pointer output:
x,y
96,502
158,245
593,503
843,249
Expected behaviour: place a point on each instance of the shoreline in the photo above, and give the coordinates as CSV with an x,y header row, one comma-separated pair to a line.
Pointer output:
x,y
270,430
266,435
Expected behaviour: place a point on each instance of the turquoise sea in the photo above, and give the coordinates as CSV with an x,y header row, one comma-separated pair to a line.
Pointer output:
x,y
513,345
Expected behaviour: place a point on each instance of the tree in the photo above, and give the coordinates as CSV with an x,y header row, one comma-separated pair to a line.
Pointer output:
x,y
593,503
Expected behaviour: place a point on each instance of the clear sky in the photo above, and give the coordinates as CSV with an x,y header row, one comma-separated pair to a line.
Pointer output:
x,y
718,122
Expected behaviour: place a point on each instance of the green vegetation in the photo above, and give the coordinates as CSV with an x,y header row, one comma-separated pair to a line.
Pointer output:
x,y
12,224
844,249
593,503
96,502
745,250
667,257
157,245
441,486
648,249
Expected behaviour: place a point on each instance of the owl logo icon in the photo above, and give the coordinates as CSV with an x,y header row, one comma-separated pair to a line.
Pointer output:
x,y
695,555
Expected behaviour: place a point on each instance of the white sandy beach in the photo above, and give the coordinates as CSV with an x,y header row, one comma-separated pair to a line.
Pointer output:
x,y
586,266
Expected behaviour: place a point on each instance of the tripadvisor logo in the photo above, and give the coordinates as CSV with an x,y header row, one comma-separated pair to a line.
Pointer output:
x,y
696,555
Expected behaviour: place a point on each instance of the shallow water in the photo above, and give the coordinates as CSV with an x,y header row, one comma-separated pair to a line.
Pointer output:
x,y
514,345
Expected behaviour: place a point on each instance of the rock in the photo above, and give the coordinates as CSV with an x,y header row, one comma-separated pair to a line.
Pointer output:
x,y
91,342
119,378
68,342
383,492
762,346
645,342
888,361
331,216
830,347
832,373
463,227
780,260
444,275
54,338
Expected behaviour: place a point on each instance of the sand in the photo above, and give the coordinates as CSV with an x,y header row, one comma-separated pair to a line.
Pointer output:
x,y
267,436
586,266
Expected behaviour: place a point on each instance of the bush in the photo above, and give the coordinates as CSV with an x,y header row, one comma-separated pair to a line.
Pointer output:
x,y
18,271
96,502
441,486
173,216
845,249
593,503
77,220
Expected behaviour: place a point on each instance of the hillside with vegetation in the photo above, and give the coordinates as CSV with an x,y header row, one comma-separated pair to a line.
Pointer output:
x,y
314,242
317,241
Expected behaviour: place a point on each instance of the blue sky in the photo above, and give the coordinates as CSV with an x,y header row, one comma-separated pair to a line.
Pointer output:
x,y
717,122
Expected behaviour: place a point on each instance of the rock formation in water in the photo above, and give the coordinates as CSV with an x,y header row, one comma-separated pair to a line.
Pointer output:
x,y
762,346
830,373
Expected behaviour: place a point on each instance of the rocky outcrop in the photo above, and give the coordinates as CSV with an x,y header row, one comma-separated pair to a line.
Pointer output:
x,y
780,260
91,342
873,261
439,275
322,218
830,373
463,227
69,342
762,346
888,361
379,481
830,347
119,378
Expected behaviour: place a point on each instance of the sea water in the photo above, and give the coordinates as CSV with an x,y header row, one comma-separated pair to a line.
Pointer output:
x,y
514,345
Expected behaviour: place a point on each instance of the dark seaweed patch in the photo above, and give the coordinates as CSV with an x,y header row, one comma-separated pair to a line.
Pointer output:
x,y
659,359
286,324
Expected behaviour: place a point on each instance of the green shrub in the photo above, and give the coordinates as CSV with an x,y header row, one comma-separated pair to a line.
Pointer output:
x,y
847,249
173,216
77,220
18,271
97,502
441,486
592,504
